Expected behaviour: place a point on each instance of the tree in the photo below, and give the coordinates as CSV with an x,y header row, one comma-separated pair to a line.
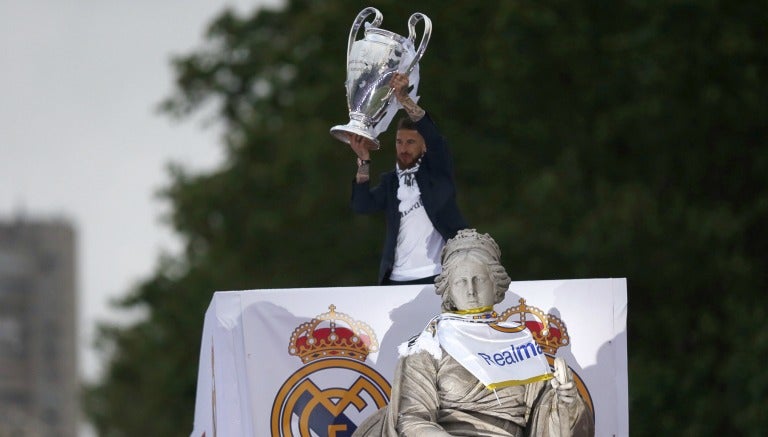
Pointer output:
x,y
618,139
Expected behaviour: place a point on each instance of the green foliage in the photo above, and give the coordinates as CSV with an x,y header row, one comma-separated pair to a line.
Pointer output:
x,y
591,139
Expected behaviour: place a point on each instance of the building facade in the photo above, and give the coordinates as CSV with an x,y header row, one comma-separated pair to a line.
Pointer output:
x,y
39,382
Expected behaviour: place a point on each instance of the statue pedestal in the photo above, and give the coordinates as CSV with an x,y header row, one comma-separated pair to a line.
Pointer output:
x,y
286,361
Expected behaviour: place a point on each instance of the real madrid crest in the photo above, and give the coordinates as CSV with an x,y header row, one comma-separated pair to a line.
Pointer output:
x,y
550,333
334,390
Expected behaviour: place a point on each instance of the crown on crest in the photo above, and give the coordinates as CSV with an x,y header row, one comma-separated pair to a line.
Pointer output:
x,y
332,334
548,330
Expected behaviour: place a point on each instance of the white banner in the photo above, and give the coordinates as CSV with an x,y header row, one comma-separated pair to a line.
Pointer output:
x,y
497,354
317,361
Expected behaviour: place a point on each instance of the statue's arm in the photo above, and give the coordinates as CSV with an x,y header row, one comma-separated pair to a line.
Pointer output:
x,y
418,397
559,410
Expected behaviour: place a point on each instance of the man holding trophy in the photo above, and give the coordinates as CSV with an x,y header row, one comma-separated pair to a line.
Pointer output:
x,y
418,197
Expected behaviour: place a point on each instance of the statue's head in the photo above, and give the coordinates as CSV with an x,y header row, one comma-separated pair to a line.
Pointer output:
x,y
472,276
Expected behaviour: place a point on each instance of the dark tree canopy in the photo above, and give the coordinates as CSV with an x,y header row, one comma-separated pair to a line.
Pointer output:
x,y
591,139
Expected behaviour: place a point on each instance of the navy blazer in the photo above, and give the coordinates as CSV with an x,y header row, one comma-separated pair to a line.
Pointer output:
x,y
438,194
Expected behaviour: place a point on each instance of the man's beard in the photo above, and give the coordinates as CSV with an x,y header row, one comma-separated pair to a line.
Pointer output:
x,y
411,163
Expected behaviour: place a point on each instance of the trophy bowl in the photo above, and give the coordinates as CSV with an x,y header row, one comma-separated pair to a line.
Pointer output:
x,y
371,62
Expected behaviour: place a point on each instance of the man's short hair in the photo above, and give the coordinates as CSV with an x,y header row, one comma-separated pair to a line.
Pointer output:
x,y
406,123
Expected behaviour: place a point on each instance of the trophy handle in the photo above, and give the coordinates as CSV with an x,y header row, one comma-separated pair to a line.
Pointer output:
x,y
415,18
358,23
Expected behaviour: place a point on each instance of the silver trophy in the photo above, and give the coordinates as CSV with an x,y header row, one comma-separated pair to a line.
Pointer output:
x,y
371,63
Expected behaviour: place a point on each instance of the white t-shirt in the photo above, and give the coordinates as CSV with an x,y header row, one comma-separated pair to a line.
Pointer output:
x,y
417,254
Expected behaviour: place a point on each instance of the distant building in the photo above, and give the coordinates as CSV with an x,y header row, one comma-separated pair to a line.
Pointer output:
x,y
39,383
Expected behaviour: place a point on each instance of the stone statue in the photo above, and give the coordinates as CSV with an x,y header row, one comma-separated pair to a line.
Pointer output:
x,y
433,394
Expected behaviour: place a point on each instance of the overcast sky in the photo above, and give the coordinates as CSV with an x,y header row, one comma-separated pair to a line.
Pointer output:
x,y
80,137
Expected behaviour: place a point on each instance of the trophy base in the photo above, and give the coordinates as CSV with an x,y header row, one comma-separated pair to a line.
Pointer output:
x,y
344,131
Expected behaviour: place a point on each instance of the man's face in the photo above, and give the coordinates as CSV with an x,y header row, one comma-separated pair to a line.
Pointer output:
x,y
471,285
410,146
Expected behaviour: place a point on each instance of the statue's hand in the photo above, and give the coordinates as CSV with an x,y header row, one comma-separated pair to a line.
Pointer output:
x,y
563,382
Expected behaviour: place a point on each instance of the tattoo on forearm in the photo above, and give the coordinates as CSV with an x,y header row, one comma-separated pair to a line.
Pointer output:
x,y
363,173
414,111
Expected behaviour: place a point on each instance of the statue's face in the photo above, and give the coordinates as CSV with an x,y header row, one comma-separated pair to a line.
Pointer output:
x,y
471,285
